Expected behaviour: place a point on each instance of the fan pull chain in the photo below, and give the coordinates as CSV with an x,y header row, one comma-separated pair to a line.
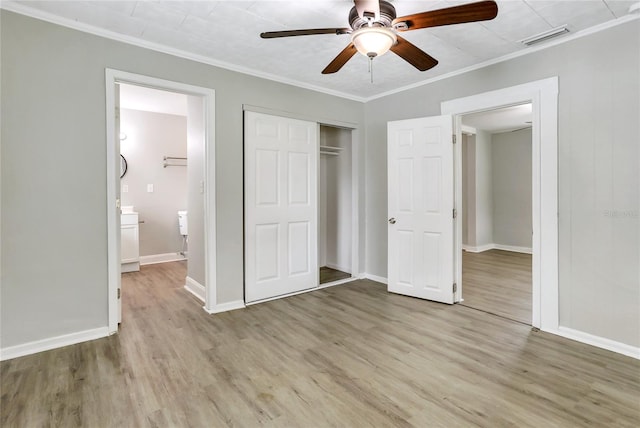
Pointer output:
x,y
371,66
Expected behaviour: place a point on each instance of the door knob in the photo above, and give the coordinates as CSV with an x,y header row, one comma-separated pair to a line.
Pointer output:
x,y
392,220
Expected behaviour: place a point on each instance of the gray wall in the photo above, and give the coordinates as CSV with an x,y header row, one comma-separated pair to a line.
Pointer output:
x,y
150,137
469,190
484,189
599,185
54,213
512,203
195,190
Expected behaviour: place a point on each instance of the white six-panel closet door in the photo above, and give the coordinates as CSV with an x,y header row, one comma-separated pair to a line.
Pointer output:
x,y
281,205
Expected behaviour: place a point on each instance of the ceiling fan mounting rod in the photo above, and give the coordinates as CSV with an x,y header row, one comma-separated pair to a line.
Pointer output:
x,y
387,15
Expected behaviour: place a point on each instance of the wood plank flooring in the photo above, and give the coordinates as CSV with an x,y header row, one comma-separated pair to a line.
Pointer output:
x,y
351,356
498,282
328,274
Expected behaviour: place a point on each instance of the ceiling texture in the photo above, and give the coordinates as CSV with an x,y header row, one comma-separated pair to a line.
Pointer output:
x,y
226,33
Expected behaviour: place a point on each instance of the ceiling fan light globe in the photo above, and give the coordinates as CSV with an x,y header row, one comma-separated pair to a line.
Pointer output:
x,y
373,41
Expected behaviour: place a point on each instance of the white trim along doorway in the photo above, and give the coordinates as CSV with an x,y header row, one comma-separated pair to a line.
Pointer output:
x,y
543,95
207,96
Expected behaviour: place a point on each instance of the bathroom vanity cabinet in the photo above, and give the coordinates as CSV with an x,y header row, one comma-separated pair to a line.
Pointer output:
x,y
129,242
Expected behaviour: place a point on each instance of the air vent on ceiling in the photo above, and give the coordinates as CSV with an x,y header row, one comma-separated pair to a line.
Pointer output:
x,y
543,37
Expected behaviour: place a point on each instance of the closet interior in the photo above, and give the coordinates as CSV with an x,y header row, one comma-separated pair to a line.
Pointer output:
x,y
335,204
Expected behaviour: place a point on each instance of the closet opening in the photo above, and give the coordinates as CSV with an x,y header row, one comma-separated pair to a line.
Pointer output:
x,y
335,197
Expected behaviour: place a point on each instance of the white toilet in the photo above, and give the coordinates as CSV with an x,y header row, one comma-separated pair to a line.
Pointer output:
x,y
183,226
182,222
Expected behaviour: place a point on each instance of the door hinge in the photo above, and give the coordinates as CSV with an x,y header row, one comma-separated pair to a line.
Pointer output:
x,y
454,139
118,293
455,287
455,213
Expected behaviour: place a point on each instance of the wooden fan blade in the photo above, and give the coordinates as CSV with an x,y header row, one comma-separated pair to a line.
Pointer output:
x,y
413,55
341,59
368,8
310,32
480,11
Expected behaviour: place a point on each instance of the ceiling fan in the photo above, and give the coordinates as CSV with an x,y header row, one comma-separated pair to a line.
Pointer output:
x,y
375,27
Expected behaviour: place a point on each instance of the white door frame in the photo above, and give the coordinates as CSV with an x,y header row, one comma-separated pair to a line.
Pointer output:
x,y
114,77
355,188
543,95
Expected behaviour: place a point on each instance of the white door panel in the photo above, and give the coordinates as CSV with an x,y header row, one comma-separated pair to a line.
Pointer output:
x,y
420,179
281,157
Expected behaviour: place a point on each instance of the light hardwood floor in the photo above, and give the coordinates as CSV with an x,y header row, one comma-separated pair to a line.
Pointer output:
x,y
498,282
351,355
328,274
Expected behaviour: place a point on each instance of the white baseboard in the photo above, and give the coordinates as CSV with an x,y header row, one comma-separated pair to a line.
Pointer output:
x,y
224,307
513,248
130,267
487,247
195,288
338,267
600,342
161,258
52,343
478,249
376,278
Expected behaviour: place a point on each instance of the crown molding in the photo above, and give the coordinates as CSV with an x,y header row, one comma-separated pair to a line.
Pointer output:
x,y
86,28
527,51
22,9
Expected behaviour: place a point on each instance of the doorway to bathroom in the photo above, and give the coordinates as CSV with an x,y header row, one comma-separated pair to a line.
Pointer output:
x,y
153,181
161,185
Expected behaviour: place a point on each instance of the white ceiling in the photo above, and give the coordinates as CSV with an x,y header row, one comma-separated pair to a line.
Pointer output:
x,y
147,99
500,120
227,33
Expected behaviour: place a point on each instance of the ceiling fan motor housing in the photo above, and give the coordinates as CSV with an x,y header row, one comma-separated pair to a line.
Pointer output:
x,y
387,15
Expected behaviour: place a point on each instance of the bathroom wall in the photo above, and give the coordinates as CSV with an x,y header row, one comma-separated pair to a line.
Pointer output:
x,y
150,137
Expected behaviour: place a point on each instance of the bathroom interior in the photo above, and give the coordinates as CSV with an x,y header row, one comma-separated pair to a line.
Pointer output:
x,y
153,177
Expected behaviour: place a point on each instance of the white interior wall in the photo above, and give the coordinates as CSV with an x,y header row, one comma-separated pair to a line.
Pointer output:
x,y
150,136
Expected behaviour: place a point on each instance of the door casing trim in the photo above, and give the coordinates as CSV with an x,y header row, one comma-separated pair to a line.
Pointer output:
x,y
113,77
543,95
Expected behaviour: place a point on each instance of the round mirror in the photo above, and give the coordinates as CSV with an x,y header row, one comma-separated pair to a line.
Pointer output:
x,y
123,166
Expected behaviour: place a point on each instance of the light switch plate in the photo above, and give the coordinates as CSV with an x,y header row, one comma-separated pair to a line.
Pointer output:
x,y
150,188
125,188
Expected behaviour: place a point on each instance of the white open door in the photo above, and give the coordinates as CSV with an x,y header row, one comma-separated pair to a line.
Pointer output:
x,y
281,208
421,229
